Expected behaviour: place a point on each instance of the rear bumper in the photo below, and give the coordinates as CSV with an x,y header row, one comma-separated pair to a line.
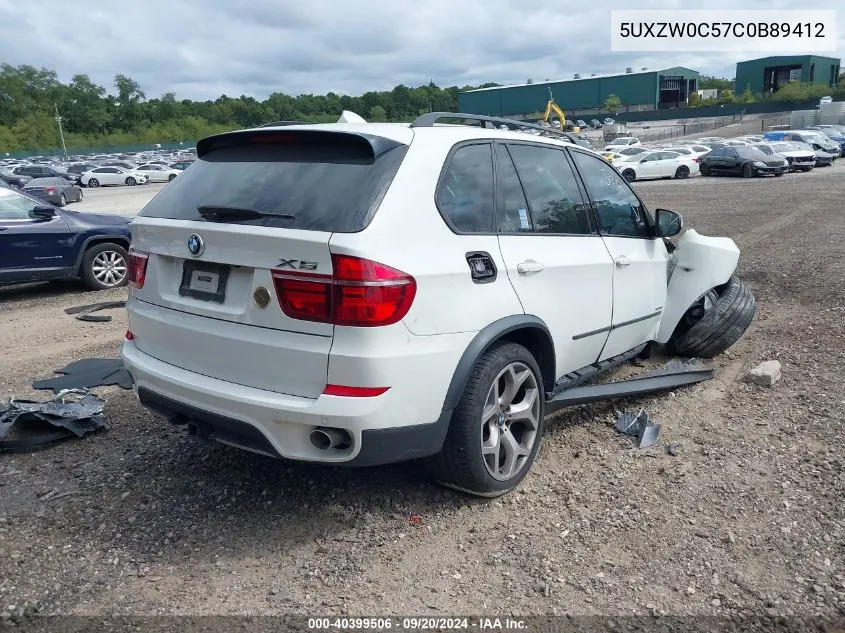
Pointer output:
x,y
384,429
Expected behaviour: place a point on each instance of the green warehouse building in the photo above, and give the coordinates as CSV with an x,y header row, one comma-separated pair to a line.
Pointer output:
x,y
767,74
643,89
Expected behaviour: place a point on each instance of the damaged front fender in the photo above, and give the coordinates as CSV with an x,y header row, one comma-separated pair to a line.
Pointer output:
x,y
699,264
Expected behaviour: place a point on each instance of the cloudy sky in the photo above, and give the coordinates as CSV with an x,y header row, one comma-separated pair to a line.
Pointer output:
x,y
201,49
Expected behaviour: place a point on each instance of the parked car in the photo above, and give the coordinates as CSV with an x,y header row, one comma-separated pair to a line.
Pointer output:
x,y
314,330
831,132
181,165
694,151
157,173
813,138
112,176
656,164
825,100
44,171
799,159
12,179
823,158
581,123
39,242
609,121
595,123
706,140
120,163
57,191
744,160
622,142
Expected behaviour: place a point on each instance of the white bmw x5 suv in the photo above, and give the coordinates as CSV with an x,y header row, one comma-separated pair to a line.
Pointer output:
x,y
360,293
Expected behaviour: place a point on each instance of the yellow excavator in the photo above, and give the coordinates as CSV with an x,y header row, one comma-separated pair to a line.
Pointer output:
x,y
553,108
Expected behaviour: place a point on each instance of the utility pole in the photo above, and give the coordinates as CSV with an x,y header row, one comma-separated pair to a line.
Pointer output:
x,y
61,133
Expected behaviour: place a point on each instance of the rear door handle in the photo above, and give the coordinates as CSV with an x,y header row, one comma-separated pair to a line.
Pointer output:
x,y
622,261
529,266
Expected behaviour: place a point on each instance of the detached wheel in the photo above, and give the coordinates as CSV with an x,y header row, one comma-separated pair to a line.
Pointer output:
x,y
747,171
715,322
629,175
497,426
682,172
104,266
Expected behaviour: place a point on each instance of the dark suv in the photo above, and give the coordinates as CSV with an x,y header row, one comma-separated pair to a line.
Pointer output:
x,y
44,171
40,242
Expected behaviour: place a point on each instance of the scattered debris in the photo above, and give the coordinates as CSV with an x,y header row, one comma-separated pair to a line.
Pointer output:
x,y
766,374
640,426
85,313
673,449
88,373
26,424
415,519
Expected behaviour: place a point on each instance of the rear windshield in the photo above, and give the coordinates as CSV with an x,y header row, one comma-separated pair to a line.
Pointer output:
x,y
333,187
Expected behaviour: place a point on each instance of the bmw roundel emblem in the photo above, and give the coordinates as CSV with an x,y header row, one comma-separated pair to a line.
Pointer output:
x,y
195,245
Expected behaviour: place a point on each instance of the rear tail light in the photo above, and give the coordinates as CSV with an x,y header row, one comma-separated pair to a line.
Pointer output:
x,y
137,268
697,159
129,335
360,293
51,190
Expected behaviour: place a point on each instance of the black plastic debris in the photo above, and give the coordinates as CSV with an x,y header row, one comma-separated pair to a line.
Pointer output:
x,y
25,424
88,373
638,425
86,312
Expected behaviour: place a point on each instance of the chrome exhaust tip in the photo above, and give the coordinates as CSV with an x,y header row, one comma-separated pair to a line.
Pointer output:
x,y
325,438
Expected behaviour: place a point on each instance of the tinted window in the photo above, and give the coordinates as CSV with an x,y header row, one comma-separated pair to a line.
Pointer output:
x,y
328,184
465,195
14,206
551,187
619,211
515,217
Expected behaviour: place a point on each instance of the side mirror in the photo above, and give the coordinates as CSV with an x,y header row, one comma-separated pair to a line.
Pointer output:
x,y
44,212
668,223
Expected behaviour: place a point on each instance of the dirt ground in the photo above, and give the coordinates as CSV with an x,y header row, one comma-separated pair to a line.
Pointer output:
x,y
744,515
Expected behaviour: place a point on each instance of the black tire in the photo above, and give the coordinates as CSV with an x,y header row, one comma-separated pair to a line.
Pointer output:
x,y
747,171
171,177
778,175
87,272
93,182
460,463
682,172
79,194
629,175
704,170
720,327
62,201
131,181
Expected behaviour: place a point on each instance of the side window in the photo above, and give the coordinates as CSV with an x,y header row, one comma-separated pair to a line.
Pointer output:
x,y
14,206
731,153
515,217
465,196
113,170
619,211
552,190
101,170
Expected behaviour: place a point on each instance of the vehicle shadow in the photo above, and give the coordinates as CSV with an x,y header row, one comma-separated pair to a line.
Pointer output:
x,y
39,289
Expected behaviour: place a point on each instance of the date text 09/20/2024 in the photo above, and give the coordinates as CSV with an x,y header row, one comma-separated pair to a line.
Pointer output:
x,y
416,624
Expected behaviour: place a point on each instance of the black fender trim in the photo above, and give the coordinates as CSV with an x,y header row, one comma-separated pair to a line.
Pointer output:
x,y
97,238
485,339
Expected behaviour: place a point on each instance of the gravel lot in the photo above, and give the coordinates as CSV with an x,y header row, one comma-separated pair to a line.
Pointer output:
x,y
120,200
744,515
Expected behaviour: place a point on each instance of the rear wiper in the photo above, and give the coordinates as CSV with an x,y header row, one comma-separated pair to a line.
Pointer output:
x,y
234,214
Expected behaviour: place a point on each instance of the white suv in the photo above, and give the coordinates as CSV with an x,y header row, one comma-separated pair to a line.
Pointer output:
x,y
362,293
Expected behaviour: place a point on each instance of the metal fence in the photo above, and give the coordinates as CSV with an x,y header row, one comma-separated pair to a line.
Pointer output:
x,y
110,149
680,130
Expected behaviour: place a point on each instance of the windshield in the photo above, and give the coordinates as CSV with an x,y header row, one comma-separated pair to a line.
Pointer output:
x,y
746,151
783,147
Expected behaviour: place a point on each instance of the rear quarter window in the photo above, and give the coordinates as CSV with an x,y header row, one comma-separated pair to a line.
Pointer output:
x,y
333,186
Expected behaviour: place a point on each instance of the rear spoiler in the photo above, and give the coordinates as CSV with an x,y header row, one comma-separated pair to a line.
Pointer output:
x,y
370,144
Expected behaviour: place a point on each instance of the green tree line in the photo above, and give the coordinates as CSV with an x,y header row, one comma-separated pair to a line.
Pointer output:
x,y
93,116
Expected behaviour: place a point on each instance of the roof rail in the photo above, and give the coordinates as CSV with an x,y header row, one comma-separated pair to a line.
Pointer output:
x,y
429,120
283,123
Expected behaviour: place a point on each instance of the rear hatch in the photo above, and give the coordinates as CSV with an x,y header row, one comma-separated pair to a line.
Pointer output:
x,y
256,210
